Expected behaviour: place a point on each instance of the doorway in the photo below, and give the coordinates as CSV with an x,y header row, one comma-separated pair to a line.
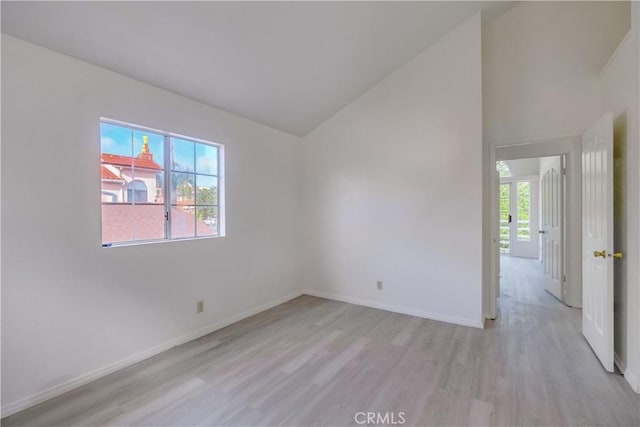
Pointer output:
x,y
531,211
577,223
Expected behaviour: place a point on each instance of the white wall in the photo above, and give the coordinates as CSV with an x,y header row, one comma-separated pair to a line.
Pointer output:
x,y
540,67
619,82
393,189
1,273
66,301
523,167
633,364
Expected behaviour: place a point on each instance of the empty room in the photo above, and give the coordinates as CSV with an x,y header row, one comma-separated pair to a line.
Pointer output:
x,y
320,213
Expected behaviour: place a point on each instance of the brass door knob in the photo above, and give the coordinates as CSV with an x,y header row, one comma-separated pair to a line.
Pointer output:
x,y
617,255
602,254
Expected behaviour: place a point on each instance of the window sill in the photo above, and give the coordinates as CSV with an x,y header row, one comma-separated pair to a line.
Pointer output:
x,y
153,242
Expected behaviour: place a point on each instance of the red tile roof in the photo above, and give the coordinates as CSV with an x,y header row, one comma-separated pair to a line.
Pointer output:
x,y
107,174
137,162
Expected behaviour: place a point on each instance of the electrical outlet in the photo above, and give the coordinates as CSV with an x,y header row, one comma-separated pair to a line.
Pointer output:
x,y
379,285
199,306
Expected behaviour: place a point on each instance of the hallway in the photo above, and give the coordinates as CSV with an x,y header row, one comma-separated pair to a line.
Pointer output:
x,y
550,365
521,281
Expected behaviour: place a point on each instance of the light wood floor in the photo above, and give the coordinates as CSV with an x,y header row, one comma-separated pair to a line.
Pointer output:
x,y
317,362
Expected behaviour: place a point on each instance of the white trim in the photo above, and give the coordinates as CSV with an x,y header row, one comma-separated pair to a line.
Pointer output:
x,y
134,243
615,53
507,179
140,128
633,380
66,386
533,139
474,323
619,363
538,148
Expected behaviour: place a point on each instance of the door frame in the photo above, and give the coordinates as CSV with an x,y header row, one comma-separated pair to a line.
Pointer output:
x,y
570,147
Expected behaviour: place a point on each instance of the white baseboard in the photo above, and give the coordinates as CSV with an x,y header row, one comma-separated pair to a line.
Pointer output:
x,y
633,380
474,323
631,377
57,390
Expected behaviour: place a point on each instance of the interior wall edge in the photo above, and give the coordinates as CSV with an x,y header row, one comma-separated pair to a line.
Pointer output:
x,y
627,39
534,139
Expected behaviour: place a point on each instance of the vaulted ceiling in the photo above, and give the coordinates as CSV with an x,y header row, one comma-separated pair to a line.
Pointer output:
x,y
289,65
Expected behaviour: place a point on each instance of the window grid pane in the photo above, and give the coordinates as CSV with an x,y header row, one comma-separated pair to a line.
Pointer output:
x,y
206,190
504,202
207,221
206,159
182,155
524,211
182,188
182,222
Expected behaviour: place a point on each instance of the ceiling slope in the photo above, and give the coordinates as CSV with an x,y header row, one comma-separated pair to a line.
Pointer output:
x,y
285,64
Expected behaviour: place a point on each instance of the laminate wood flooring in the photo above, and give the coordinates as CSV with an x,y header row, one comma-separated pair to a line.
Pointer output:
x,y
312,362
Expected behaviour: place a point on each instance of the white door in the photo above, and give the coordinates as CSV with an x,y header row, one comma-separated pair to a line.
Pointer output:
x,y
597,239
551,224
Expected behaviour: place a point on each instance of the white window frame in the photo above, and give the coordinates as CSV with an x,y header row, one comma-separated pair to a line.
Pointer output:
x,y
166,185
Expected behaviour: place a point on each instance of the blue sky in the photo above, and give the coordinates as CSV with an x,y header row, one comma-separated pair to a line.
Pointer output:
x,y
187,155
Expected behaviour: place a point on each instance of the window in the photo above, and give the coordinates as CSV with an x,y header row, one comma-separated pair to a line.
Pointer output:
x,y
523,189
157,186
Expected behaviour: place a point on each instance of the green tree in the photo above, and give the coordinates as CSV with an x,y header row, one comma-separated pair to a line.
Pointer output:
x,y
523,205
207,196
505,209
183,184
